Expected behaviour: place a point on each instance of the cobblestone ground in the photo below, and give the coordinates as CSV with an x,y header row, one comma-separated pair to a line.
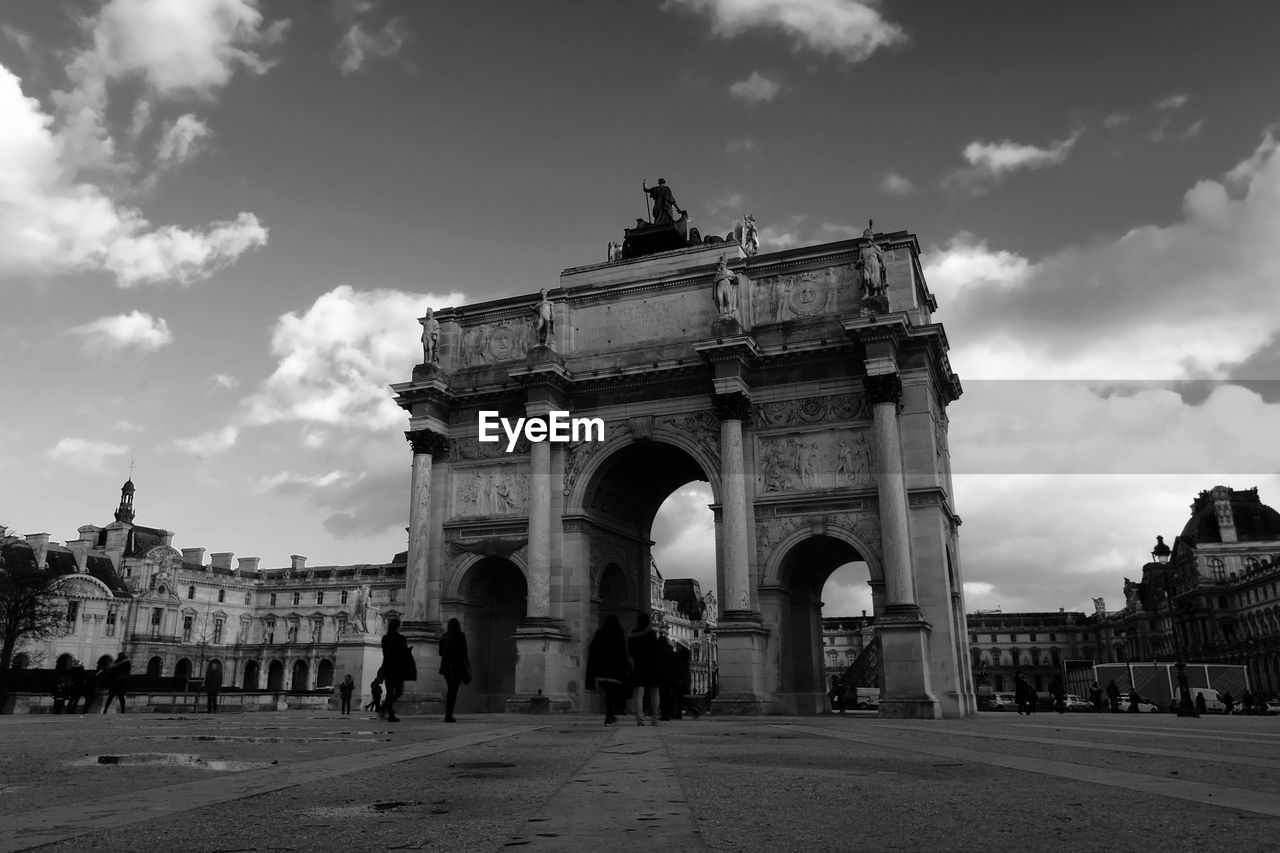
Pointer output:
x,y
302,781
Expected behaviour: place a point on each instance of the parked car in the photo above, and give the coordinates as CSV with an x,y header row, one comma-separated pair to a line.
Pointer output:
x,y
1144,707
998,702
1273,707
1075,703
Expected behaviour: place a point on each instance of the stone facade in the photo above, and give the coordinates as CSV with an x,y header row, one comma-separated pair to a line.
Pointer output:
x,y
818,418
1035,644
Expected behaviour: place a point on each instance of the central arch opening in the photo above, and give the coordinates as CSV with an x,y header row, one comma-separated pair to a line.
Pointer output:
x,y
495,595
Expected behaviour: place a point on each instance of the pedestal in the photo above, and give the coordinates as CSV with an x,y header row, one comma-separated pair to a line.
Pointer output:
x,y
359,656
741,685
543,669
426,694
904,646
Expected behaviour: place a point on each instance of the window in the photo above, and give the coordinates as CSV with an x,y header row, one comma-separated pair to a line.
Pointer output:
x,y
1054,657
297,597
1250,564
1217,569
191,592
269,631
395,594
73,610
273,599
1053,638
222,595
342,625
993,639
111,622
248,598
151,583
1013,638
128,571
317,625
188,623
1033,638
343,597
292,636
217,630
320,597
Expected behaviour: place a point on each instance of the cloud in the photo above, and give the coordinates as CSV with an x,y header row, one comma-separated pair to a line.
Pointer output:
x,y
992,161
83,453
182,141
64,174
211,443
1193,129
222,382
849,29
136,330
742,148
363,40
291,481
895,184
335,360
1179,301
1116,119
799,231
1172,102
756,89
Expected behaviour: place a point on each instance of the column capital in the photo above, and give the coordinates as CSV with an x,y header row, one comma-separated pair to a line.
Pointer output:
x,y
735,406
428,441
883,388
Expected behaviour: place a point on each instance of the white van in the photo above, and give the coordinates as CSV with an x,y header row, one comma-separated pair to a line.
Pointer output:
x,y
1213,703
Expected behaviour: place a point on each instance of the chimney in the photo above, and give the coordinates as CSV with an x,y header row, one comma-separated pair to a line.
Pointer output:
x,y
248,565
299,562
195,556
89,533
80,550
167,539
39,543
222,559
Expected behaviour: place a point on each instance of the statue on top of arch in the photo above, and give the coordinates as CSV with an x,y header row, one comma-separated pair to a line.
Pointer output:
x,y
872,276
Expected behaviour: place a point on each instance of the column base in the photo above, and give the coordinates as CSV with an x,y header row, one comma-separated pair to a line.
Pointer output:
x,y
741,687
543,669
424,696
904,646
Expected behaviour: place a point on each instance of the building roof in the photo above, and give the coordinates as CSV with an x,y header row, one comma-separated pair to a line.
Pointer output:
x,y
61,561
1254,520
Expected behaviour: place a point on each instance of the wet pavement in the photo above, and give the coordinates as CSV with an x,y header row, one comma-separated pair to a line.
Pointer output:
x,y
312,781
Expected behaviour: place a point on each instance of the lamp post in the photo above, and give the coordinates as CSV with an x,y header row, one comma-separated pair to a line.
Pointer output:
x,y
1160,555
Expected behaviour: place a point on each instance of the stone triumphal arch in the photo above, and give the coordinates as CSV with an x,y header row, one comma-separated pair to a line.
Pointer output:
x,y
810,396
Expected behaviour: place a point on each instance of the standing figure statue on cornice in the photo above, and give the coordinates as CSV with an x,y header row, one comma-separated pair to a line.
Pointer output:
x,y
871,264
430,338
724,286
544,323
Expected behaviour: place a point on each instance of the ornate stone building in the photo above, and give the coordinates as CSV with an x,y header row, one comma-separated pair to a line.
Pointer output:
x,y
126,588
1035,644
808,386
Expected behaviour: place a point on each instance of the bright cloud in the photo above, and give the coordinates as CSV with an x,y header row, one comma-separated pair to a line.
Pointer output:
x,y
211,443
84,453
851,29
742,147
335,361
1172,102
136,330
222,382
286,481
362,39
994,160
756,89
895,184
1186,300
182,141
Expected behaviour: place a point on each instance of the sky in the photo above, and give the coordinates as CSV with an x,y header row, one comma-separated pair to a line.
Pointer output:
x,y
220,219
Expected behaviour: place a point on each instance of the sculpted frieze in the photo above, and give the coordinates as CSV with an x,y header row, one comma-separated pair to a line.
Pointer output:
x,y
491,343
801,295
811,410
798,462
702,427
491,490
470,447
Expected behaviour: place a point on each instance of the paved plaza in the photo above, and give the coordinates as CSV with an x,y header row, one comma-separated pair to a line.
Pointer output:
x,y
311,781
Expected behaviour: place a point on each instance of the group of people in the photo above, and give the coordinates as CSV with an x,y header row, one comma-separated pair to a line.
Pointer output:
x,y
78,685
643,666
398,666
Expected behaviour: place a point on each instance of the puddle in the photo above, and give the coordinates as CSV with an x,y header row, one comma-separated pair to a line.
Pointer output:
x,y
169,759
366,809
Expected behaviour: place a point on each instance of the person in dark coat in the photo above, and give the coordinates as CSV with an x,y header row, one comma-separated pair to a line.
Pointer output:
x,y
375,696
116,679
1134,699
684,684
212,686
397,667
1113,696
1059,693
1020,690
1202,707
75,686
61,690
1095,698
609,668
668,678
345,690
455,666
646,666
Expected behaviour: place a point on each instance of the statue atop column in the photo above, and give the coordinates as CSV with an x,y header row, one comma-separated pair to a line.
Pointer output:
x,y
430,338
870,265
664,202
544,323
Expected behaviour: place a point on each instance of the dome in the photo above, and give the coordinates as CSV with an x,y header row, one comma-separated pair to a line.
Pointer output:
x,y
128,488
1254,520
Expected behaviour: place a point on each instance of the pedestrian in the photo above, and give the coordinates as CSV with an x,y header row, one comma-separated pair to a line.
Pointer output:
x,y
212,685
835,694
1113,696
1228,702
397,667
345,689
1020,690
455,665
116,678
1134,699
684,685
646,665
75,685
668,678
61,690
1059,693
609,668
1246,702
1095,698
375,697
1201,705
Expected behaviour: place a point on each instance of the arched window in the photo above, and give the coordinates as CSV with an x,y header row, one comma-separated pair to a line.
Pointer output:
x,y
222,595
191,591
1217,569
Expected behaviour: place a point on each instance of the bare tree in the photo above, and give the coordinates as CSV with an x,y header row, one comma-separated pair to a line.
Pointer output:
x,y
30,606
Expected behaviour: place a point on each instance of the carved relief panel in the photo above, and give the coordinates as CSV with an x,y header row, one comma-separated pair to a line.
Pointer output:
x,y
795,462
800,295
490,343
490,490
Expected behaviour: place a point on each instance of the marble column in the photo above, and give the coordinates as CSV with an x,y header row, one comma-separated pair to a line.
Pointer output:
x,y
733,410
539,553
426,444
884,392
